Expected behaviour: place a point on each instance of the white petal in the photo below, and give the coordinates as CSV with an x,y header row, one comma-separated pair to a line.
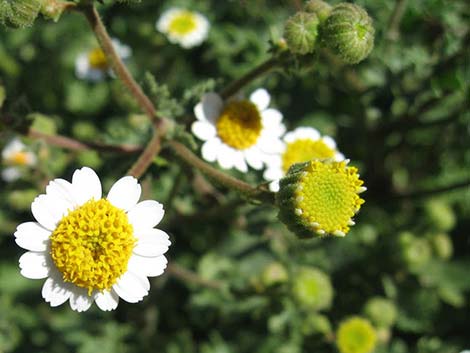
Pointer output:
x,y
274,186
203,130
31,236
132,287
146,214
147,266
80,300
125,193
107,300
11,174
271,145
209,108
272,117
49,210
253,158
273,174
151,242
210,149
226,156
86,185
13,147
260,98
55,291
34,265
329,142
338,157
240,163
62,189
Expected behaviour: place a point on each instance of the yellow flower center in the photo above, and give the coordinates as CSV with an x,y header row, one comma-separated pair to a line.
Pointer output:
x,y
328,196
183,23
97,59
239,125
92,245
356,335
19,158
304,150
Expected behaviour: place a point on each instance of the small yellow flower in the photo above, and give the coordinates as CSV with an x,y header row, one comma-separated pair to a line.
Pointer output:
x,y
15,155
356,335
320,198
184,27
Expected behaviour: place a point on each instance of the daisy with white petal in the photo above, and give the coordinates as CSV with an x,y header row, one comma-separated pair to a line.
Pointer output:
x,y
15,155
93,65
183,27
93,249
240,132
301,145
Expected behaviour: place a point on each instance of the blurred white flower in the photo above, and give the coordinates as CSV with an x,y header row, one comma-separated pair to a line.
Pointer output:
x,y
301,145
93,249
93,65
183,27
239,132
14,156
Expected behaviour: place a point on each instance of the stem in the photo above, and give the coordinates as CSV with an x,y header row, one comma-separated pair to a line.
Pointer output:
x,y
186,275
431,192
258,193
259,70
393,31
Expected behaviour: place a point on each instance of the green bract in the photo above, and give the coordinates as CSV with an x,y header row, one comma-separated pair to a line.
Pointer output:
x,y
19,13
301,32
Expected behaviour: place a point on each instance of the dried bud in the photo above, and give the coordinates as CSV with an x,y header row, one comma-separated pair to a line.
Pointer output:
x,y
348,32
301,32
320,8
318,198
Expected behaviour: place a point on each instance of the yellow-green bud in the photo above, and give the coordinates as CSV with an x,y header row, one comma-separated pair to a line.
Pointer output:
x,y
356,335
274,274
440,215
312,288
320,8
19,13
348,32
416,252
319,198
301,32
442,246
381,311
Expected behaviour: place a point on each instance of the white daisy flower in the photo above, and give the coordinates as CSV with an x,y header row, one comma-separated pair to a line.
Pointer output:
x,y
93,65
93,249
239,132
301,145
183,27
16,155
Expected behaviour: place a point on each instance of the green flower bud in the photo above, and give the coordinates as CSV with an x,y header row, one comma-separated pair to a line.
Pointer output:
x,y
348,32
320,8
84,130
415,252
53,9
19,13
274,274
442,246
312,288
356,335
317,198
21,200
381,311
440,215
301,32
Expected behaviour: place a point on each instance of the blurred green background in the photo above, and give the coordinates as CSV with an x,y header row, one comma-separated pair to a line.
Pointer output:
x,y
402,116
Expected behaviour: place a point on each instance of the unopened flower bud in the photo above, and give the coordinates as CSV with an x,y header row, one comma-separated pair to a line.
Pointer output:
x,y
356,335
312,288
320,8
415,252
19,13
320,198
381,311
53,9
348,32
274,274
301,32
440,215
442,246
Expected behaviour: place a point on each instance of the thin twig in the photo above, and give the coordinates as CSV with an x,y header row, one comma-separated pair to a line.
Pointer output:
x,y
259,70
393,31
258,193
431,192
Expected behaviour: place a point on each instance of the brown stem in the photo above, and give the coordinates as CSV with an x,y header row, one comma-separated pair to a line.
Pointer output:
x,y
259,70
258,193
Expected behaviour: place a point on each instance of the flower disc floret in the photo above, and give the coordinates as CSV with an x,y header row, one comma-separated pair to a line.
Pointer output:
x,y
304,150
320,197
92,245
356,335
183,23
97,59
239,125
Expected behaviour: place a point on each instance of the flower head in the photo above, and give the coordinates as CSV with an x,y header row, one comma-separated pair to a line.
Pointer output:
x,y
183,27
320,198
93,249
356,335
312,288
301,145
16,155
94,66
239,132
